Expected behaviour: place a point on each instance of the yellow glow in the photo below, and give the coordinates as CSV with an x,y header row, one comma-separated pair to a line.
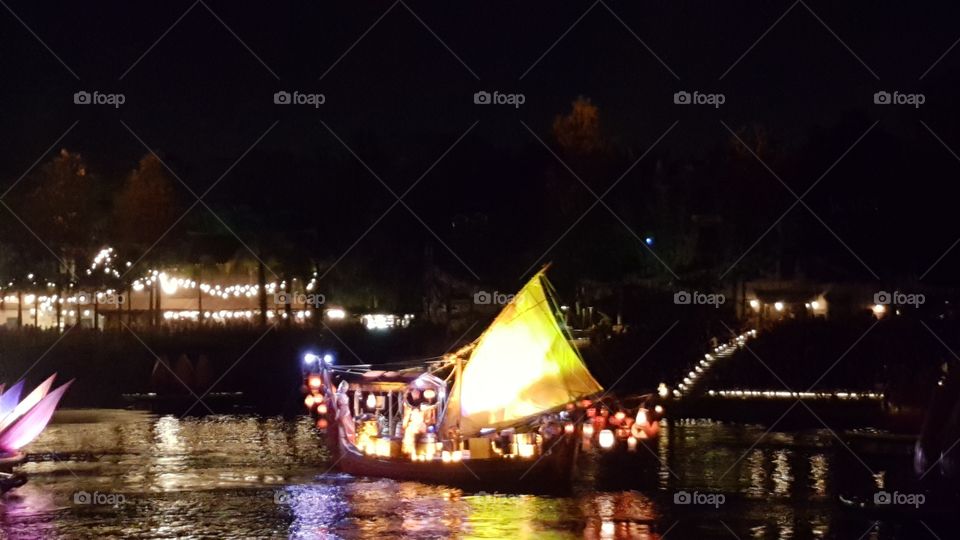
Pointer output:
x,y
371,401
755,304
815,304
879,309
778,306
308,401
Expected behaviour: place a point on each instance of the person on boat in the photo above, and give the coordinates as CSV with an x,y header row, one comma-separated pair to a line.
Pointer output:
x,y
344,415
413,425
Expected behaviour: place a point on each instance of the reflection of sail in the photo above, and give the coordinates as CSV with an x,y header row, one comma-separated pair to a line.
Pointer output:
x,y
522,366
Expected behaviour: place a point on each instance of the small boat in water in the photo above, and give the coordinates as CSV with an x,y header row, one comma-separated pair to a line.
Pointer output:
x,y
499,414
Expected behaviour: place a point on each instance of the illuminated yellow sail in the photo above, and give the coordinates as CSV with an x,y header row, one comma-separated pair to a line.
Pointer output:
x,y
522,366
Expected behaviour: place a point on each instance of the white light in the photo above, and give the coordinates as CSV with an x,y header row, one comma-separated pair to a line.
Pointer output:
x,y
778,306
336,313
879,309
606,438
755,304
815,304
310,358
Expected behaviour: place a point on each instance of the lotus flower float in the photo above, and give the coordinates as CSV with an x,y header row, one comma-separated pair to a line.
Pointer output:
x,y
21,421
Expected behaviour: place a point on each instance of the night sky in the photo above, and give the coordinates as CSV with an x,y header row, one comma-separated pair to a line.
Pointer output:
x,y
399,78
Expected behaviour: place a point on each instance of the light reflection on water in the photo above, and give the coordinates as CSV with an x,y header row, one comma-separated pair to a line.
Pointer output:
x,y
245,476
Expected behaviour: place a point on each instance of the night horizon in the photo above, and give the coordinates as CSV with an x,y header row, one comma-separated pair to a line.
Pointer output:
x,y
675,270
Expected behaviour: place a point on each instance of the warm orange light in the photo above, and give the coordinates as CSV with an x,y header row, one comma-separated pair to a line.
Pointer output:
x,y
620,415
322,408
642,417
429,393
322,423
308,401
315,382
568,428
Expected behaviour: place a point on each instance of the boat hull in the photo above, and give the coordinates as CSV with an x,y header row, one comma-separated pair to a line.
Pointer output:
x,y
551,472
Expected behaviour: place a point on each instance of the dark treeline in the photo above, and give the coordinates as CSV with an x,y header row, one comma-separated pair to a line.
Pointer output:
x,y
492,212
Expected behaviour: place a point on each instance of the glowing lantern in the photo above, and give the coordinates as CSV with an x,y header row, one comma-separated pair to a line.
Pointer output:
x,y
606,439
322,423
322,408
315,382
308,401
371,401
658,409
429,393
588,430
642,417
632,443
568,428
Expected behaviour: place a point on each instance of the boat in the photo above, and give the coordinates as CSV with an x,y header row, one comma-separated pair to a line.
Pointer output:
x,y
503,410
22,421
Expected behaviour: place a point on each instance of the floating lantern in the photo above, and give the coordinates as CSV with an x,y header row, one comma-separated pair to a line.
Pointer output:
x,y
606,439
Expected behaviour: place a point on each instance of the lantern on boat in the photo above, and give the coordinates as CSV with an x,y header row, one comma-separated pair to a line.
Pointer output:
x,y
371,401
315,382
322,408
606,439
308,401
631,443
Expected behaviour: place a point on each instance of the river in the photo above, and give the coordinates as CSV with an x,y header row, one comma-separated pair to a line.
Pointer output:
x,y
113,473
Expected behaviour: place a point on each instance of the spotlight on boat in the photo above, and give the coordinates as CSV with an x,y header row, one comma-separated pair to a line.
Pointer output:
x,y
310,358
328,358
606,438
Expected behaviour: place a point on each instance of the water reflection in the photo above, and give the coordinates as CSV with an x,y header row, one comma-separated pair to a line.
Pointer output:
x,y
265,477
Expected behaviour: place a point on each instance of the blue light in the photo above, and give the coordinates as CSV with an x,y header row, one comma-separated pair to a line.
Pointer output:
x,y
328,358
648,240
310,358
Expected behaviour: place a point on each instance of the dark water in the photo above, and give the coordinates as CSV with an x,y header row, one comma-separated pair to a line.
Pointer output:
x,y
243,477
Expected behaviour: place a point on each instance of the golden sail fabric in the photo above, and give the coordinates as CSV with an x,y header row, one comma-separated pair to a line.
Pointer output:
x,y
523,365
